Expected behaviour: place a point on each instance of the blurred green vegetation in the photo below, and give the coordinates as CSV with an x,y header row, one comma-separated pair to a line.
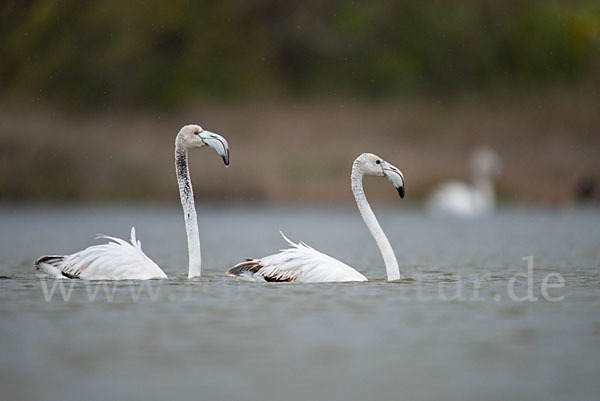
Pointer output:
x,y
152,52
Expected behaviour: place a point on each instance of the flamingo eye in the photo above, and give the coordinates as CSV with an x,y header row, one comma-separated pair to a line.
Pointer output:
x,y
378,162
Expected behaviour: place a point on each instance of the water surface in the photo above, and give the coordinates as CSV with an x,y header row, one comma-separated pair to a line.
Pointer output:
x,y
448,330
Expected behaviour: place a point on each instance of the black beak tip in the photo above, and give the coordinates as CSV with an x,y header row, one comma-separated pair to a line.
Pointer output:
x,y
226,158
401,192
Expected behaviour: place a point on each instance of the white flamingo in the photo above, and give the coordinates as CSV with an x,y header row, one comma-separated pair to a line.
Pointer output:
x,y
120,260
301,263
455,198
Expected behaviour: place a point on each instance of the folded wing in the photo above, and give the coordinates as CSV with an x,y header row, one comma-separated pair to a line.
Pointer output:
x,y
115,260
299,263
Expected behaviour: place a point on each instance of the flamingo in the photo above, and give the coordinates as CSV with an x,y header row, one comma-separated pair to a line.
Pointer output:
x,y
301,263
459,199
121,260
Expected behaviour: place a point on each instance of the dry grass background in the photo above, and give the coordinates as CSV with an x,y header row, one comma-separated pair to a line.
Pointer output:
x,y
301,152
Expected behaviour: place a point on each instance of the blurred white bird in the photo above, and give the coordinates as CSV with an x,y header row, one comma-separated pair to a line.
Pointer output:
x,y
456,198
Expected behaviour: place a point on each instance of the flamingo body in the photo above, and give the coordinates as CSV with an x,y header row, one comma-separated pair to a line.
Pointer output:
x,y
115,260
299,263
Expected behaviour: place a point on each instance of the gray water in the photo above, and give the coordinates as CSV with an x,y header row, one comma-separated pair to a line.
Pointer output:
x,y
449,330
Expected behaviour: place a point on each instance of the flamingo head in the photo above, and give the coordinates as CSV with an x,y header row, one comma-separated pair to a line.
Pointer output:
x,y
370,164
194,136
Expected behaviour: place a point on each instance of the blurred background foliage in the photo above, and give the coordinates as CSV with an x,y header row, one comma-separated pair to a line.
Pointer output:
x,y
166,53
93,92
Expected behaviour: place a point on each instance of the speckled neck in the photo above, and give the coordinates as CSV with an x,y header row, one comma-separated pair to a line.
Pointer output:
x,y
186,194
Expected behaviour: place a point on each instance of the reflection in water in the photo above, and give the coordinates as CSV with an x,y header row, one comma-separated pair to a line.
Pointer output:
x,y
447,330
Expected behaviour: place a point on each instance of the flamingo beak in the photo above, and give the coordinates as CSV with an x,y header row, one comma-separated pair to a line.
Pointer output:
x,y
396,177
218,143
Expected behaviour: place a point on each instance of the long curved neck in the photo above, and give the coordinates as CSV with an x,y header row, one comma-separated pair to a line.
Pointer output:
x,y
189,211
391,264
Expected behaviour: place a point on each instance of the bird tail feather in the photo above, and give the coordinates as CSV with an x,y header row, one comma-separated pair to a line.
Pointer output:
x,y
49,264
249,265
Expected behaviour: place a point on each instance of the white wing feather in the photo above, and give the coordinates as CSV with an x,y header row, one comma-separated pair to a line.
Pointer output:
x,y
115,260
